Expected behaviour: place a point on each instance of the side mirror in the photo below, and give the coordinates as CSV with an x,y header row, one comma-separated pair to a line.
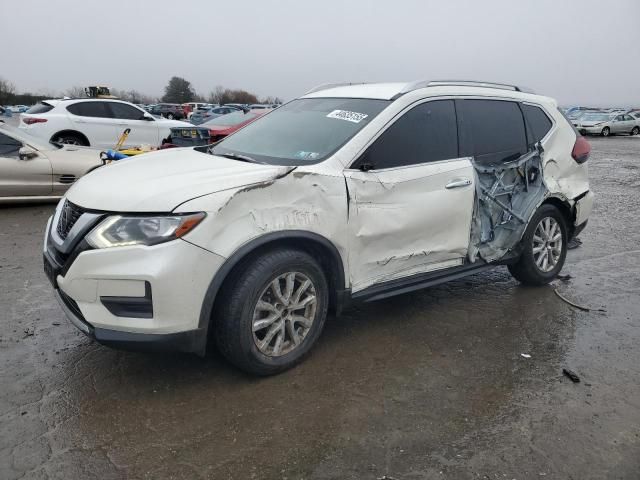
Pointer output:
x,y
27,152
148,117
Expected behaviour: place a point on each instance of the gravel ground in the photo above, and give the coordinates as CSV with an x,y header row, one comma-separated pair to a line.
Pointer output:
x,y
426,385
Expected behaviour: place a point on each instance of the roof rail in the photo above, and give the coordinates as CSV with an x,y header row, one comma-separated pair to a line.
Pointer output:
x,y
409,87
475,83
327,86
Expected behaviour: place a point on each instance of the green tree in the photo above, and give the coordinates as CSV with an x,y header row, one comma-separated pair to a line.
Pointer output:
x,y
178,90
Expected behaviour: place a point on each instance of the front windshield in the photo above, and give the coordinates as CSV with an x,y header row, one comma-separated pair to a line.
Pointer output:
x,y
230,119
596,117
301,132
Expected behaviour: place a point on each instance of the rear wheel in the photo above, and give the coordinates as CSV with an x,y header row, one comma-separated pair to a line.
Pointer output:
x,y
70,139
170,116
606,131
273,312
544,247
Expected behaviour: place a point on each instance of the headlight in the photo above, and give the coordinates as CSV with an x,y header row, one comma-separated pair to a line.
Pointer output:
x,y
121,230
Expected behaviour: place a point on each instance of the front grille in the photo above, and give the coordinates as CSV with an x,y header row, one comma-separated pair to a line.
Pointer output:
x,y
68,217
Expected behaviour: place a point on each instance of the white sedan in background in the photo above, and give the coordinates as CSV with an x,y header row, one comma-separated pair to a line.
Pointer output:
x,y
31,170
95,122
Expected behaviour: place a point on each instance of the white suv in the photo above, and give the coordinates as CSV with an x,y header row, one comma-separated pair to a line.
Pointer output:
x,y
349,193
95,122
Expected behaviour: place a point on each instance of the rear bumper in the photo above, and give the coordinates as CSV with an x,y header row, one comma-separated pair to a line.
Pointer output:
x,y
583,206
192,341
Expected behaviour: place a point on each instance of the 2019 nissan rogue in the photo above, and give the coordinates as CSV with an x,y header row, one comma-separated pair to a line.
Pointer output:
x,y
348,193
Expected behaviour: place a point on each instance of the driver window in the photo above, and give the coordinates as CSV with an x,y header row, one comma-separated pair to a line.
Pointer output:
x,y
9,147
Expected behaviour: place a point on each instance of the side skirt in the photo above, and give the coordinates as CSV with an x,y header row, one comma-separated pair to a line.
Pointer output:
x,y
420,281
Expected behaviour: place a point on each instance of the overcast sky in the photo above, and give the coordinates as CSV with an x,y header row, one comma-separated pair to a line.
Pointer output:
x,y
575,51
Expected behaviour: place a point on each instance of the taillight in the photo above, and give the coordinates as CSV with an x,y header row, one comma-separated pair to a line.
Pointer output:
x,y
32,120
581,150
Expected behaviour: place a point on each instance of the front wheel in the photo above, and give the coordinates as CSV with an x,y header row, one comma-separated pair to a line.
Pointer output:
x,y
273,312
635,131
544,247
170,116
606,131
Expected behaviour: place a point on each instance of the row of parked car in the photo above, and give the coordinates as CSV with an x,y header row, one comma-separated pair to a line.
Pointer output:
x,y
605,121
10,109
197,112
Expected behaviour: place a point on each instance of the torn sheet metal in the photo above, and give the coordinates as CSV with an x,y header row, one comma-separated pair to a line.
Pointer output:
x,y
507,194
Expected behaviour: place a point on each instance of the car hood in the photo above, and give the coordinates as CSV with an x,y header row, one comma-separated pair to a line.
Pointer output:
x,y
72,159
160,181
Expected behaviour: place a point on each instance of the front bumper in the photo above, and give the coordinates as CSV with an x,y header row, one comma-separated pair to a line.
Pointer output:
x,y
189,341
590,130
135,297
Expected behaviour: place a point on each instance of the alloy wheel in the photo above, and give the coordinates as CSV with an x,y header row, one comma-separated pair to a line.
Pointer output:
x,y
284,314
547,244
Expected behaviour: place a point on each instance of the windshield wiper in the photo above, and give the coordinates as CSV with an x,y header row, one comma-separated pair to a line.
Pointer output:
x,y
237,156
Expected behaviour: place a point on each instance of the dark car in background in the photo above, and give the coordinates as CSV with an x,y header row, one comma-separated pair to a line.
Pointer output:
x,y
205,114
168,110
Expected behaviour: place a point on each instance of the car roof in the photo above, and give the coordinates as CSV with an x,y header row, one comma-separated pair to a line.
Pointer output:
x,y
391,91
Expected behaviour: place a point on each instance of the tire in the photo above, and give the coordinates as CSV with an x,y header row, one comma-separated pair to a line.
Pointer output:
x,y
170,116
606,131
262,352
635,131
70,139
527,269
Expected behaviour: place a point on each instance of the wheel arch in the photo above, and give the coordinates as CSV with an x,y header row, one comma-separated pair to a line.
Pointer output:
x,y
317,245
568,212
71,132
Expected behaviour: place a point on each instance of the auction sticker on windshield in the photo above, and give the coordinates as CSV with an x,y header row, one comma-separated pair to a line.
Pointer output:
x,y
354,117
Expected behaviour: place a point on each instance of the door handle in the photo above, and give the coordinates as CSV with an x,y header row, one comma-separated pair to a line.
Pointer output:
x,y
457,183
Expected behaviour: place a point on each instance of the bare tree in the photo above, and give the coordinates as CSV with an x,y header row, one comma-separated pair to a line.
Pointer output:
x,y
216,95
75,92
7,91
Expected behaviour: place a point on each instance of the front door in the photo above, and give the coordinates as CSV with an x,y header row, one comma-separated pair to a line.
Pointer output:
x,y
22,176
93,119
141,131
411,198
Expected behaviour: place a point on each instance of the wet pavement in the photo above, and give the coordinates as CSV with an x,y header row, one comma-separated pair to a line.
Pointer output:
x,y
429,385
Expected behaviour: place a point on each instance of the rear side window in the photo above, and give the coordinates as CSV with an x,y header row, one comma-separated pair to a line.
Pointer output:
x,y
537,120
426,133
90,109
494,130
40,108
124,111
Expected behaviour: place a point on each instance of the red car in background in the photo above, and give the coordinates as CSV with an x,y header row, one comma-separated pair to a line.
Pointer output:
x,y
225,125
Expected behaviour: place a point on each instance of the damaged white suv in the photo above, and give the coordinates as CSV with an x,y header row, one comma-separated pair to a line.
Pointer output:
x,y
349,193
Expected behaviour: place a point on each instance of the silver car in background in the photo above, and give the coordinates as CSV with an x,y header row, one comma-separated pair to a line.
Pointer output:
x,y
31,170
606,123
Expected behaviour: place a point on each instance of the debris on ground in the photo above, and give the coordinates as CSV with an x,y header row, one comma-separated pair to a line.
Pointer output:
x,y
525,355
572,375
573,304
574,243
28,332
564,278
386,477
